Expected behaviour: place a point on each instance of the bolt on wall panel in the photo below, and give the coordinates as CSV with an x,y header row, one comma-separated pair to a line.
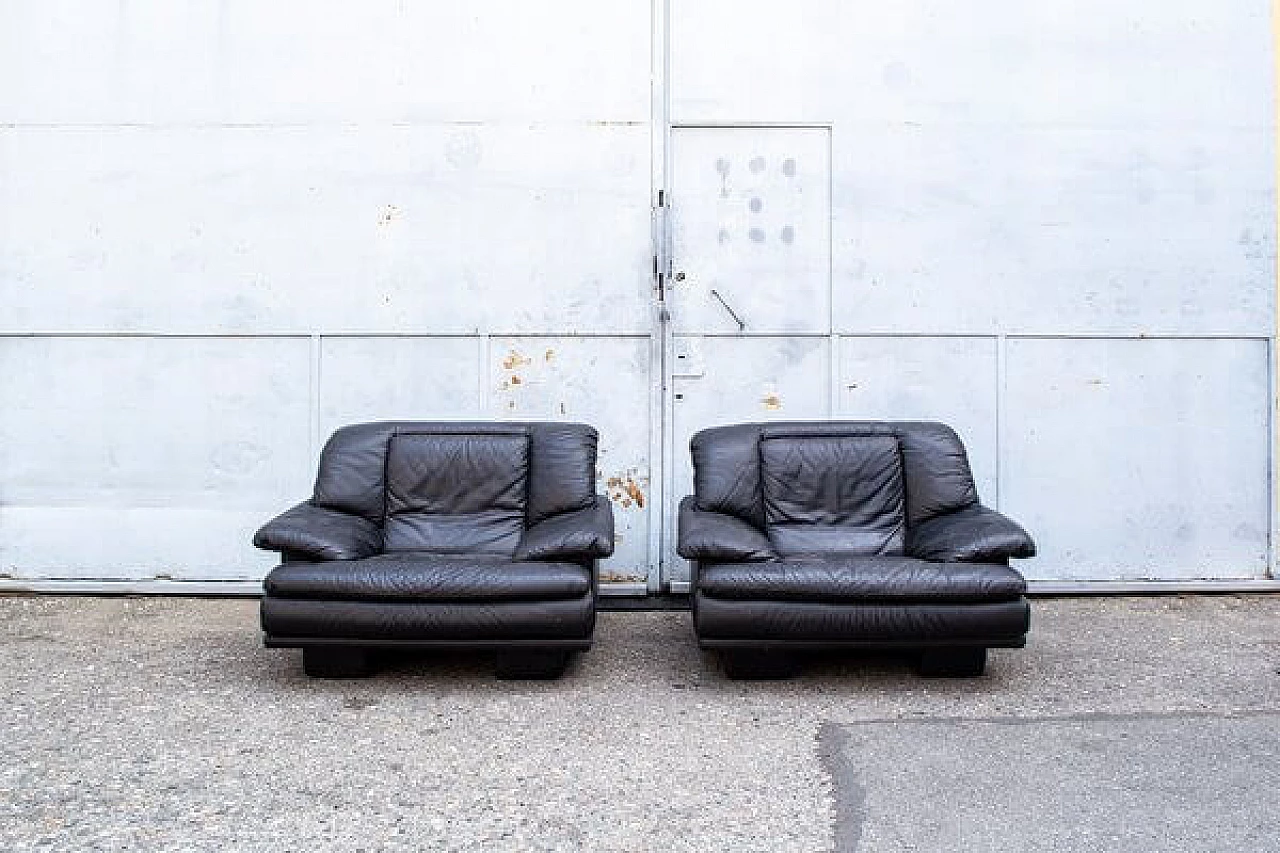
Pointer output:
x,y
138,457
1139,458
435,229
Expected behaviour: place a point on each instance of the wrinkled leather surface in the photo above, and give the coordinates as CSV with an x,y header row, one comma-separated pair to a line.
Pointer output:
x,y
831,487
585,534
726,471
861,579
991,623
562,469
833,494
713,536
456,493
488,532
429,577
562,459
320,534
935,466
973,534
382,620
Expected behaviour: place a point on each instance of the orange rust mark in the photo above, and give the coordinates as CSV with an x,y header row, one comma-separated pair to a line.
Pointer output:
x,y
515,380
627,490
634,491
772,402
549,356
514,359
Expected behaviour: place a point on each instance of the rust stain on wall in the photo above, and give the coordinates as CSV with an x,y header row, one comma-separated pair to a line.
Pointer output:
x,y
627,489
772,402
514,359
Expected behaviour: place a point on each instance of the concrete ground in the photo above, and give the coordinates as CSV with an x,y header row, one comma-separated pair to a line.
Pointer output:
x,y
1128,724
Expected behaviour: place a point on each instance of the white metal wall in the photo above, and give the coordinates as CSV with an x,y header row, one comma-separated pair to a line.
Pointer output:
x,y
228,226
1052,225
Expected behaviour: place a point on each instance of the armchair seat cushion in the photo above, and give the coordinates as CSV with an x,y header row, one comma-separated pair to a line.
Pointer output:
x,y
422,577
856,579
292,621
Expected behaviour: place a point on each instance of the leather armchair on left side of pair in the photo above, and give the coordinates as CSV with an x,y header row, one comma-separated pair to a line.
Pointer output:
x,y
429,535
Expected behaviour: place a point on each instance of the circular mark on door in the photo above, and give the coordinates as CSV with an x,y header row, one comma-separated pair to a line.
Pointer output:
x,y
788,234
756,235
756,205
789,167
756,164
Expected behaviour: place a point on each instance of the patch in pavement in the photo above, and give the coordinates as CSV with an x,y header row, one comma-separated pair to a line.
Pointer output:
x,y
1167,782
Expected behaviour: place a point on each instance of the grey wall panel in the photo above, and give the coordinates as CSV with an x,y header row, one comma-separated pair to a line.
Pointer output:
x,y
1076,62
397,378
724,380
257,61
605,382
1029,229
952,380
1140,458
142,456
450,229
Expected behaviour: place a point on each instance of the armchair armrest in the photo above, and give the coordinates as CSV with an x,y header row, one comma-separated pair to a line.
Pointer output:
x,y
974,534
584,534
717,537
320,534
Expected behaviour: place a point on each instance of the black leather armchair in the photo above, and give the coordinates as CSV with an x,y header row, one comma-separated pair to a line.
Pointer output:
x,y
442,535
847,535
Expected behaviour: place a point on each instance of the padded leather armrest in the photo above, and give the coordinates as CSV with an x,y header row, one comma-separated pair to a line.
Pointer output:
x,y
714,537
974,534
320,534
584,534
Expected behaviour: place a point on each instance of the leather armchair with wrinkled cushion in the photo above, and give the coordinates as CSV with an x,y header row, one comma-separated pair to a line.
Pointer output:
x,y
852,534
442,535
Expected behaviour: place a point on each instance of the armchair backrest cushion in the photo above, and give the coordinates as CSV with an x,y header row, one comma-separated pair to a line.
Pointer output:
x,y
738,470
456,493
454,485
833,494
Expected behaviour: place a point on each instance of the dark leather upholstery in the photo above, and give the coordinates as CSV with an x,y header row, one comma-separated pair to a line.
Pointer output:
x,y
321,534
847,533
564,622
442,533
727,623
716,536
582,534
901,579
975,534
430,577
